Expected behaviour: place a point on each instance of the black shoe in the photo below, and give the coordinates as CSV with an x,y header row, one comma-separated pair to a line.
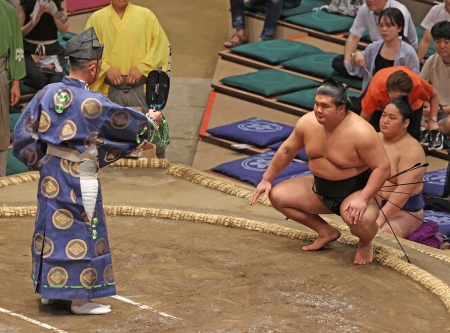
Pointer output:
x,y
424,136
436,140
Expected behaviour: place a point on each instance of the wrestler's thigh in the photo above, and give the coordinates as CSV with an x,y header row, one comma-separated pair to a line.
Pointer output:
x,y
405,223
297,193
370,214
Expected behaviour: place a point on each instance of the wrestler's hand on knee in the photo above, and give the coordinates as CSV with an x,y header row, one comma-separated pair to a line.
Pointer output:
x,y
355,210
263,187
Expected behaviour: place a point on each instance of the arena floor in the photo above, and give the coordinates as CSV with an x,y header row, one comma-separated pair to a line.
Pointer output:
x,y
191,255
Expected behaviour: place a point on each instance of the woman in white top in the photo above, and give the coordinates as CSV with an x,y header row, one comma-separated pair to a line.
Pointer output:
x,y
392,50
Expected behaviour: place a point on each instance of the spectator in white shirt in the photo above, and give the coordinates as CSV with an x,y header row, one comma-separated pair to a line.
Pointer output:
x,y
436,14
367,19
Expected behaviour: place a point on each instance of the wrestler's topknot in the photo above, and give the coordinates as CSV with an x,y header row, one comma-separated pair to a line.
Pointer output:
x,y
335,89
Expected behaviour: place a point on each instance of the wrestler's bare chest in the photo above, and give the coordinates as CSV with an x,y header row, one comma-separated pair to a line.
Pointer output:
x,y
336,148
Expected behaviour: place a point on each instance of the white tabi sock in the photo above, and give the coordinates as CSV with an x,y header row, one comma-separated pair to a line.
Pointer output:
x,y
47,301
89,308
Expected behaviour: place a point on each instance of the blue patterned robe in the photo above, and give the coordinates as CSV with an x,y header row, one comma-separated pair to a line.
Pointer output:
x,y
61,128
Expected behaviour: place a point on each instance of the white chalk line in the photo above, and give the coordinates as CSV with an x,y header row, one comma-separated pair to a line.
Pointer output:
x,y
142,306
33,321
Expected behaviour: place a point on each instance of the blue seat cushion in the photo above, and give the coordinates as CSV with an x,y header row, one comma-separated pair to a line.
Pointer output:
x,y
253,131
322,21
275,51
305,98
434,182
269,82
251,169
441,218
318,64
301,155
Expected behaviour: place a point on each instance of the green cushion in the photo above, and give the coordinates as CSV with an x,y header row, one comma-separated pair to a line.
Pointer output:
x,y
431,49
13,165
269,82
322,21
275,51
366,37
13,118
62,39
305,98
354,82
420,31
26,90
318,64
305,7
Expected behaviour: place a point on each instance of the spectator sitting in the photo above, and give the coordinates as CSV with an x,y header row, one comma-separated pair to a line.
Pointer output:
x,y
387,52
437,13
401,197
436,70
41,21
387,84
367,19
273,12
